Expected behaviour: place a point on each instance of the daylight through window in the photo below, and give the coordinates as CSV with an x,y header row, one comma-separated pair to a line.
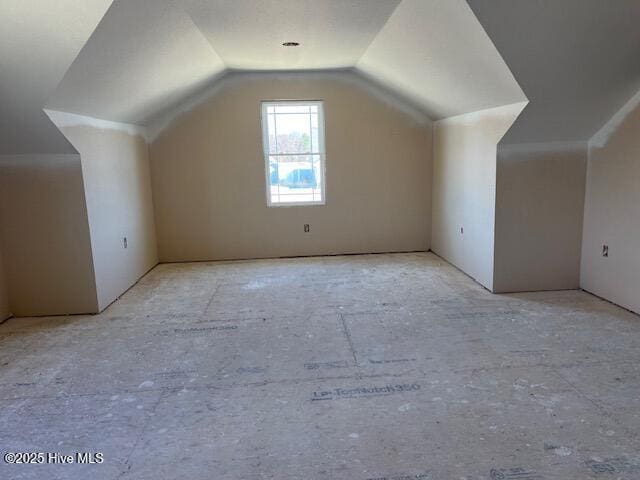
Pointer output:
x,y
293,137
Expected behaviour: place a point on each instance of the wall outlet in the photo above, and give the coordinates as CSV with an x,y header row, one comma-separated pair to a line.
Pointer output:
x,y
307,228
461,230
124,242
605,250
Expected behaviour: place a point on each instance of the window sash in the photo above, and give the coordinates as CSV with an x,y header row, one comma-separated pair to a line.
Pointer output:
x,y
307,154
270,111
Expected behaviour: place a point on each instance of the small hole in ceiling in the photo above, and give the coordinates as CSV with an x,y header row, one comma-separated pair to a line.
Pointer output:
x,y
290,44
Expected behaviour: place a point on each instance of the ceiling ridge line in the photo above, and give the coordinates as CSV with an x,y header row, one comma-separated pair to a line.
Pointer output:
x,y
374,38
213,49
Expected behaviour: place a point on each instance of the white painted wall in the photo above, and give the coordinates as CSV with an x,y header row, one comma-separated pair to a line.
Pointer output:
x,y
44,232
209,184
115,169
612,211
539,211
5,310
464,173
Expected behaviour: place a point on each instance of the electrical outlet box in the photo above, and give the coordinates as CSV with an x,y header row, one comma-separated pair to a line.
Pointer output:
x,y
307,228
605,250
124,242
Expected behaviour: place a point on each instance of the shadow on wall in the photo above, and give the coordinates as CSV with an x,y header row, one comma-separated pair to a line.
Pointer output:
x,y
539,210
45,235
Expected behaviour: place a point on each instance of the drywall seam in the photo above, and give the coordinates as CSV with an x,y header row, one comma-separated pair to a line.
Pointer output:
x,y
15,159
471,118
602,136
69,120
229,77
543,147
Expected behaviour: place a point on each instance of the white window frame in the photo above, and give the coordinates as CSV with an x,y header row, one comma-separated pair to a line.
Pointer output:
x,y
322,150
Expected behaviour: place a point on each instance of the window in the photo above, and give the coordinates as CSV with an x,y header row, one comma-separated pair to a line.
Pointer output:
x,y
293,141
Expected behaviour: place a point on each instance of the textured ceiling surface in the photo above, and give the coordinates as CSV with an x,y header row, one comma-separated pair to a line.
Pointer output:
x,y
132,61
149,55
248,34
38,42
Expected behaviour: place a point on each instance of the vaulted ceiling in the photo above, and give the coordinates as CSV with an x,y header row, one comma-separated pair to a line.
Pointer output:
x,y
133,60
147,55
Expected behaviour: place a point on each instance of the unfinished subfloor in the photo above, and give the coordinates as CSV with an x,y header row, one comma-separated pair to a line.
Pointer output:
x,y
357,367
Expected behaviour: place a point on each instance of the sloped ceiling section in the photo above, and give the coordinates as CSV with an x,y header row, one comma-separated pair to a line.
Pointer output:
x,y
148,57
437,53
144,56
38,42
576,60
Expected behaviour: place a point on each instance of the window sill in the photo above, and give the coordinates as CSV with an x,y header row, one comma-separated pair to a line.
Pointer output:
x,y
296,204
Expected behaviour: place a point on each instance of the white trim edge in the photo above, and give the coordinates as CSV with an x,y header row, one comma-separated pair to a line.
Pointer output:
x,y
68,120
